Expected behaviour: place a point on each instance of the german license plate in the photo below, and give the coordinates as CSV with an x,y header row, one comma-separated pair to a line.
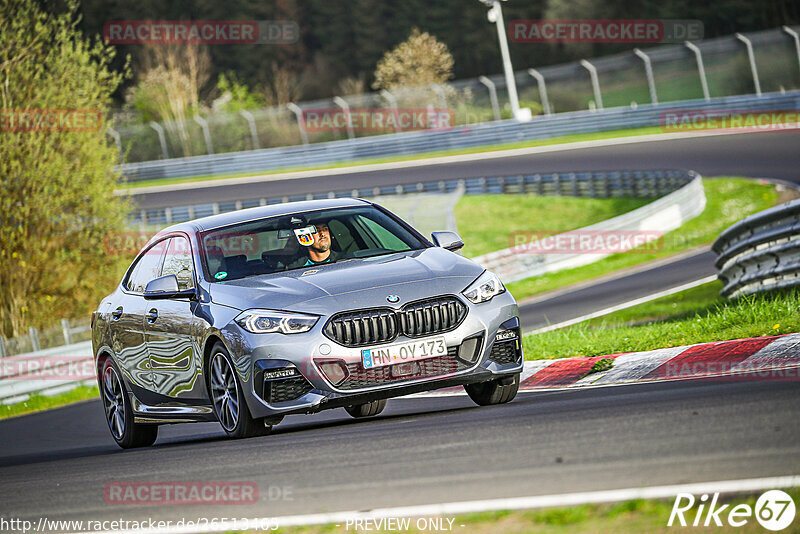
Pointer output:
x,y
403,352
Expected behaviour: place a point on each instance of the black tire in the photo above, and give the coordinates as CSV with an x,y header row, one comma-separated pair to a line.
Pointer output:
x,y
118,410
231,409
498,391
367,409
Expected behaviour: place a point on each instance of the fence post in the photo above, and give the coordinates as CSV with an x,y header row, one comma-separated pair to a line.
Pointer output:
x,y
793,35
598,98
542,90
751,57
67,334
117,140
206,133
648,69
440,93
3,352
163,140
342,103
34,334
492,95
251,121
393,104
700,68
301,121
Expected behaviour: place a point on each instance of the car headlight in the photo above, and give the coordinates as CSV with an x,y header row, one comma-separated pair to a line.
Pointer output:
x,y
271,321
484,288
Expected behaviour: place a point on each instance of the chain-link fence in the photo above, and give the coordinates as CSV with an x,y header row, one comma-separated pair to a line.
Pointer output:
x,y
707,69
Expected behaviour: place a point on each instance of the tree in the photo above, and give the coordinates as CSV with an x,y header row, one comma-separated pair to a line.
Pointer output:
x,y
58,204
420,60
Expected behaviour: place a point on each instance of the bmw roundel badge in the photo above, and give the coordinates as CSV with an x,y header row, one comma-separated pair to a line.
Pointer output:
x,y
393,299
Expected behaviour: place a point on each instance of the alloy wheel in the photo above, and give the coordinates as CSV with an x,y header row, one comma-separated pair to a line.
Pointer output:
x,y
223,392
114,402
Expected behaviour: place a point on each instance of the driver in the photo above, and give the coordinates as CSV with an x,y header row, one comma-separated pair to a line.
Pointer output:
x,y
320,250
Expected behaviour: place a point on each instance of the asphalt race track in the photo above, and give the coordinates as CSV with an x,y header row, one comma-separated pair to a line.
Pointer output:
x,y
593,297
773,154
419,451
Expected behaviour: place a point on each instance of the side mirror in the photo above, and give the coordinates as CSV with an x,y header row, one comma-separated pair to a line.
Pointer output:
x,y
447,240
166,287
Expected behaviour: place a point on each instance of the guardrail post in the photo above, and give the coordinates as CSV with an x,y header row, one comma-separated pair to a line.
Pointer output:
x,y
700,68
206,133
117,140
796,38
161,138
34,335
598,98
751,57
542,90
648,69
342,103
67,333
393,104
251,121
301,121
492,95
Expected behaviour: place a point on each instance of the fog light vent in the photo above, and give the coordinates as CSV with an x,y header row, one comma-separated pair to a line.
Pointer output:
x,y
334,370
469,350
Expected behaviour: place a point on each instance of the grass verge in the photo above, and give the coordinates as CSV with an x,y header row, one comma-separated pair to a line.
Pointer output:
x,y
642,515
728,200
694,316
489,222
37,403
409,157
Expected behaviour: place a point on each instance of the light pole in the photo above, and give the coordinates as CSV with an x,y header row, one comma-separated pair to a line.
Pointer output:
x,y
495,15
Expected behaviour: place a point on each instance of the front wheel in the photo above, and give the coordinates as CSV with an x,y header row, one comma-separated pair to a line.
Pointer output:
x,y
119,412
228,398
367,409
498,391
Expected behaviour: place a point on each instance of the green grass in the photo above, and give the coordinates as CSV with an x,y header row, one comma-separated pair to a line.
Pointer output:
x,y
728,200
636,516
37,403
391,159
490,222
694,316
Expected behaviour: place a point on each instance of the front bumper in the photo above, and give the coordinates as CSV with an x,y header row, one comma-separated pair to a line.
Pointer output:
x,y
281,374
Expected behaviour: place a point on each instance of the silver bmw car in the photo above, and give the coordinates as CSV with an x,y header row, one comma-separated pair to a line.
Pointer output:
x,y
248,316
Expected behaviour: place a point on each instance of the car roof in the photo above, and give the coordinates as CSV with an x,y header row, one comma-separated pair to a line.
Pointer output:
x,y
262,212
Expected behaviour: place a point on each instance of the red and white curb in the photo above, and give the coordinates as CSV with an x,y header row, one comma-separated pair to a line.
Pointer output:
x,y
760,358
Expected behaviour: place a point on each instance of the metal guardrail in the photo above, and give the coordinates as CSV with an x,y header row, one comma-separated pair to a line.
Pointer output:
x,y
460,137
651,221
603,184
761,252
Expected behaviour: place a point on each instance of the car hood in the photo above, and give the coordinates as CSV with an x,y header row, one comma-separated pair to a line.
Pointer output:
x,y
352,284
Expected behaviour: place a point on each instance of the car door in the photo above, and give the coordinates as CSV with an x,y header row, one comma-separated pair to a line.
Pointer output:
x,y
170,328
127,318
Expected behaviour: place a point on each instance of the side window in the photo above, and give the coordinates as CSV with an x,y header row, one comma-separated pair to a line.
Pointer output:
x,y
148,267
386,239
178,261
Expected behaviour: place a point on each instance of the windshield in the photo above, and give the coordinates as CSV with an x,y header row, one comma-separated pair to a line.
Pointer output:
x,y
302,240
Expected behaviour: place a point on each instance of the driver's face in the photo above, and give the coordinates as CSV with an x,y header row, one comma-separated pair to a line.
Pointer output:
x,y
322,239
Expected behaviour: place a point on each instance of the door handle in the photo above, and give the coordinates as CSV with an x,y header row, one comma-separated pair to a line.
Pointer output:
x,y
116,314
152,315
